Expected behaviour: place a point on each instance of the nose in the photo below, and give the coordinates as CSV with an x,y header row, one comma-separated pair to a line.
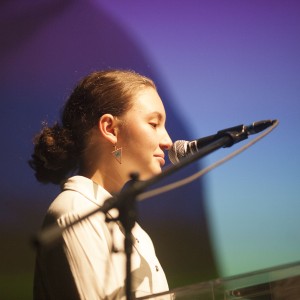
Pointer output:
x,y
166,141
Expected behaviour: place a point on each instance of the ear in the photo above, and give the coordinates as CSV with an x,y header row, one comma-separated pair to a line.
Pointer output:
x,y
108,127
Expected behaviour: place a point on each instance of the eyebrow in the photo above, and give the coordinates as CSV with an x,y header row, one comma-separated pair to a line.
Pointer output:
x,y
157,114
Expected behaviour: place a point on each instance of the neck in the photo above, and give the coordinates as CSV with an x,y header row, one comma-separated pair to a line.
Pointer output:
x,y
109,178
102,169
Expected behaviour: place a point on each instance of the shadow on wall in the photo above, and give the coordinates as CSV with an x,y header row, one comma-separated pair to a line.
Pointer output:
x,y
47,46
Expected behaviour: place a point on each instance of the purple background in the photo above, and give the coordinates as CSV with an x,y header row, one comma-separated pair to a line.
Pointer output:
x,y
217,64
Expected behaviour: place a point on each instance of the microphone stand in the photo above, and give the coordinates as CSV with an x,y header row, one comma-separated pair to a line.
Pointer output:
x,y
128,217
125,202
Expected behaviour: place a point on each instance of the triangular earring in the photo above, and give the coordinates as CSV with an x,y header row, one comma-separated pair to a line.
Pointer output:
x,y
117,153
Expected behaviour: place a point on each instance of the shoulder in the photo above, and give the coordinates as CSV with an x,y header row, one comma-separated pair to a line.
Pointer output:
x,y
67,201
79,195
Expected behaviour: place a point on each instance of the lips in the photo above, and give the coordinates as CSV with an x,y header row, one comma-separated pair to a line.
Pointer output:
x,y
161,159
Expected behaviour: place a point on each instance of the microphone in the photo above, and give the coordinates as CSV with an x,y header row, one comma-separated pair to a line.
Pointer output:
x,y
181,149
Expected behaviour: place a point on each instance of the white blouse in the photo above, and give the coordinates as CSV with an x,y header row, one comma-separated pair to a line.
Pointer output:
x,y
89,260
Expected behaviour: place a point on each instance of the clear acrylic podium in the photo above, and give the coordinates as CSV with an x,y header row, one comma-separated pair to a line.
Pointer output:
x,y
278,283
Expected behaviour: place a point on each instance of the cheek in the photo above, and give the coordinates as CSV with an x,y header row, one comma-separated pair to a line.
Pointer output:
x,y
142,144
141,134
148,139
140,141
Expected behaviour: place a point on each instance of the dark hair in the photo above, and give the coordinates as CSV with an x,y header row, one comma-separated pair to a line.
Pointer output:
x,y
57,149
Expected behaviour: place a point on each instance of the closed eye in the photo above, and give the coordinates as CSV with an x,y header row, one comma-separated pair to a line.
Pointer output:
x,y
154,125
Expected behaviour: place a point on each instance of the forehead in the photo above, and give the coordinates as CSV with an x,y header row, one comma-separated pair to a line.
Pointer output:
x,y
147,101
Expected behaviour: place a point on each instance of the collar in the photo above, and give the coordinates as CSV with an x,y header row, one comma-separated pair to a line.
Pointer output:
x,y
88,188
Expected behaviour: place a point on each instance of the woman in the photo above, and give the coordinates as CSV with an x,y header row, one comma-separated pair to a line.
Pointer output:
x,y
113,124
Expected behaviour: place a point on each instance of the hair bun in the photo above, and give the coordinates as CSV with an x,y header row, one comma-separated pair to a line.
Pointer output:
x,y
53,154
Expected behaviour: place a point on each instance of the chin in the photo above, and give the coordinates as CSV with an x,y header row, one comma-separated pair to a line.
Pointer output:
x,y
150,174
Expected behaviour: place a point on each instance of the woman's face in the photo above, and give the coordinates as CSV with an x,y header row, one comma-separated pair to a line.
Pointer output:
x,y
143,136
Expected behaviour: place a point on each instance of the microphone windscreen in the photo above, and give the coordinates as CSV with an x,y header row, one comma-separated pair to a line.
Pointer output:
x,y
177,151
